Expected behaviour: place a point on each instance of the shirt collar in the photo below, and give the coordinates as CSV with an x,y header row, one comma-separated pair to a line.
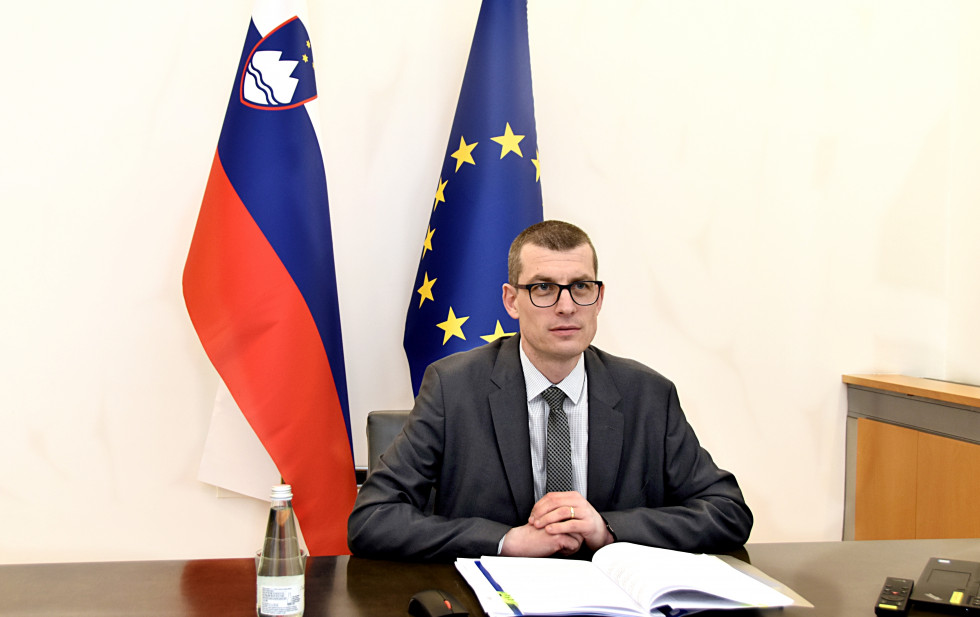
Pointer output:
x,y
573,385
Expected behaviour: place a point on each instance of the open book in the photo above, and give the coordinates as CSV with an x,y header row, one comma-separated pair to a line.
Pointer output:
x,y
622,579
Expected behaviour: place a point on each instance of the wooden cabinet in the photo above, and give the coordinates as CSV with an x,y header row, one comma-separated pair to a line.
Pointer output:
x,y
913,468
948,488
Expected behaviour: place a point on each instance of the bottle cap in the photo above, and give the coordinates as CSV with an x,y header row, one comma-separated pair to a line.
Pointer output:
x,y
282,492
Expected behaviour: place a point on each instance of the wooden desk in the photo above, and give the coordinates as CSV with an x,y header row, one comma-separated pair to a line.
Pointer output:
x,y
841,579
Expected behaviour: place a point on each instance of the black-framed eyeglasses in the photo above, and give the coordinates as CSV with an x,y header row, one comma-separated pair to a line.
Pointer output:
x,y
543,295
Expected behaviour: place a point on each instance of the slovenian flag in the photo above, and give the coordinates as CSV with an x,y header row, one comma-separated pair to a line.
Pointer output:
x,y
260,283
488,192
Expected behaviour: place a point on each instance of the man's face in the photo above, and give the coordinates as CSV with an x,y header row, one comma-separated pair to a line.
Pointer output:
x,y
554,336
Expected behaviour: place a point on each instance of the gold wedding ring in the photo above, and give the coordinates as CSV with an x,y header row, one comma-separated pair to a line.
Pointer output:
x,y
572,510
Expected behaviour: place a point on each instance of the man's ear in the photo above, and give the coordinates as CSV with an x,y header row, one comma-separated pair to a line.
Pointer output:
x,y
510,300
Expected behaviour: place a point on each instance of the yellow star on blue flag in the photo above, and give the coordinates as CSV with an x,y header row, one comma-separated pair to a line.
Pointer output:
x,y
487,193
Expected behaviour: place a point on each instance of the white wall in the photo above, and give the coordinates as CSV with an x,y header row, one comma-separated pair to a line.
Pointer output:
x,y
780,192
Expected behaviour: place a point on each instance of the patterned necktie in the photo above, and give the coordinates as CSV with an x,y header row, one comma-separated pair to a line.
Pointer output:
x,y
559,443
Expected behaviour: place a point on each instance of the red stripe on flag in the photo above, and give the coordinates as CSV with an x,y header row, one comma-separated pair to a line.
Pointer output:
x,y
258,332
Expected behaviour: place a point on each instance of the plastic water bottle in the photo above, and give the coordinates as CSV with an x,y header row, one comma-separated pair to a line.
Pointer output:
x,y
280,567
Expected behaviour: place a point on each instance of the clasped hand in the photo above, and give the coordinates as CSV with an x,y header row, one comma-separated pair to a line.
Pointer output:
x,y
559,523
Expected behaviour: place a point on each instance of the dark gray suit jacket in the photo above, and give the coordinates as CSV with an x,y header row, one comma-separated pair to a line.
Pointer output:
x,y
468,437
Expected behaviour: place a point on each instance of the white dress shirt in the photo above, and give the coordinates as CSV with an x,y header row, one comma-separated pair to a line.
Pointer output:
x,y
576,388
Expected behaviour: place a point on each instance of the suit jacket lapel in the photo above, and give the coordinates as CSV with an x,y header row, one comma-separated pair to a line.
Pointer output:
x,y
605,432
508,407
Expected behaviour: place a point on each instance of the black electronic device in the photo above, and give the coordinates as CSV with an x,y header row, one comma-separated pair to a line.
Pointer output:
x,y
950,586
435,603
894,596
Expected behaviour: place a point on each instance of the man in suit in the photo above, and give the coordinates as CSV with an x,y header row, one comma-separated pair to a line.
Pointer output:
x,y
479,435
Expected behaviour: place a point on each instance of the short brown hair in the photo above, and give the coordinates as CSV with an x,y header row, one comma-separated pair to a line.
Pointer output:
x,y
552,235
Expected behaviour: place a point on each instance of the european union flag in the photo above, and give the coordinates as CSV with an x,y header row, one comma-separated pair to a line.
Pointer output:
x,y
488,192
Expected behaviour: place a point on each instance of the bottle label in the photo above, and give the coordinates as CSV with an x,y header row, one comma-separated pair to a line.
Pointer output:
x,y
280,595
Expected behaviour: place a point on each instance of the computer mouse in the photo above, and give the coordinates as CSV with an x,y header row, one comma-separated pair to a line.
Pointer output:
x,y
435,603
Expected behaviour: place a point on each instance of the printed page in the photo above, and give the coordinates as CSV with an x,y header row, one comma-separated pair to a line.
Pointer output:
x,y
548,586
655,577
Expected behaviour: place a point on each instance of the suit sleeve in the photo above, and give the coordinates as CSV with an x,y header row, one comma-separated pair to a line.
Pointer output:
x,y
392,517
695,506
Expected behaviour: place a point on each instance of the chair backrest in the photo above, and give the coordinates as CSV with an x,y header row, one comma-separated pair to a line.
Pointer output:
x,y
382,427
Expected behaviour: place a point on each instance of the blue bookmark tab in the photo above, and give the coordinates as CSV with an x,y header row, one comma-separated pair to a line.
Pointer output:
x,y
506,597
